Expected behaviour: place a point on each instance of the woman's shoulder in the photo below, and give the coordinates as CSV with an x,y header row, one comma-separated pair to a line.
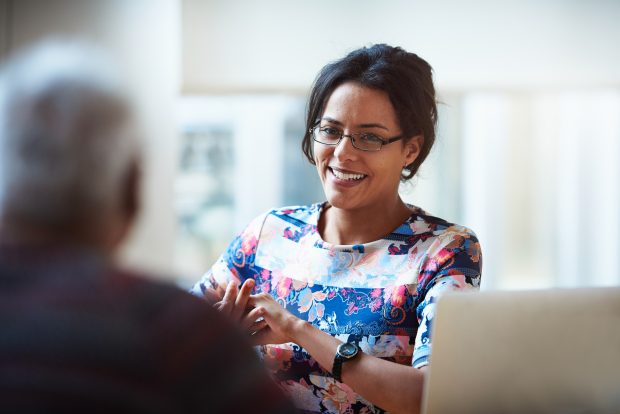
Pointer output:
x,y
420,222
440,241
293,212
300,219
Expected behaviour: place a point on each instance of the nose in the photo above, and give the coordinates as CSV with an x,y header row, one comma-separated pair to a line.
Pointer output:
x,y
345,149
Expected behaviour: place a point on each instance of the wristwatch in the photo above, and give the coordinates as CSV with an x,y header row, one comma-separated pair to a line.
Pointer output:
x,y
344,353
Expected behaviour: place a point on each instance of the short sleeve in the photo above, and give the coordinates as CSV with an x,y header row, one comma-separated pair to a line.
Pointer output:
x,y
237,261
461,270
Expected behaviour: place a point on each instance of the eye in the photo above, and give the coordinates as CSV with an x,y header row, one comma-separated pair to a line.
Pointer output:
x,y
330,132
371,139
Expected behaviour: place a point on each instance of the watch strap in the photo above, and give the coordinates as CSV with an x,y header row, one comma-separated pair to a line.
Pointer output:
x,y
340,358
337,368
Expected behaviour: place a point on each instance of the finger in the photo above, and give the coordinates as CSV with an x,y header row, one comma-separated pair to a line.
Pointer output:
x,y
256,300
257,326
242,298
262,337
221,290
211,296
228,301
252,317
264,300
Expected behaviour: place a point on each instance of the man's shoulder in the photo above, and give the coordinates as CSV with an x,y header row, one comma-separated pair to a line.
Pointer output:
x,y
156,301
122,333
204,356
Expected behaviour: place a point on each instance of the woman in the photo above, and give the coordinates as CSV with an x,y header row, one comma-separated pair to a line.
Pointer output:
x,y
346,288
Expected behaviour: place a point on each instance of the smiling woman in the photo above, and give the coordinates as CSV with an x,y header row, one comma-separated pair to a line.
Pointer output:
x,y
356,177
345,289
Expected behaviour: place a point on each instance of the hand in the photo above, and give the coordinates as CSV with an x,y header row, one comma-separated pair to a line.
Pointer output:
x,y
233,302
213,296
279,323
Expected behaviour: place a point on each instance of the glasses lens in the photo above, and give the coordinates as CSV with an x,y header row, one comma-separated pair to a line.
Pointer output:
x,y
329,136
367,142
332,136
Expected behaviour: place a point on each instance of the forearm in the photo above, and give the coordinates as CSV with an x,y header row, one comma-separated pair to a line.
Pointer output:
x,y
391,386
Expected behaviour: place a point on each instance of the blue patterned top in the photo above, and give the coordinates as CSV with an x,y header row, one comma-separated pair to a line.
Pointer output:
x,y
380,295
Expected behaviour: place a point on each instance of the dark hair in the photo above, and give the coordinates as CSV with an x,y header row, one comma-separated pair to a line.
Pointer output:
x,y
405,77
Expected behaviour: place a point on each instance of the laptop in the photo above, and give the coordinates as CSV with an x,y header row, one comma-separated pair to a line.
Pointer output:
x,y
547,351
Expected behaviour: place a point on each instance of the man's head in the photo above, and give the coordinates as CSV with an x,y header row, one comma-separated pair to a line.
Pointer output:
x,y
68,153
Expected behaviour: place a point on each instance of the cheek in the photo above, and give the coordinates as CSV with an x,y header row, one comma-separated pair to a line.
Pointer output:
x,y
389,170
321,153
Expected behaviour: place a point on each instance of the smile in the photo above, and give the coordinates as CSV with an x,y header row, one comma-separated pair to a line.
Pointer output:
x,y
347,176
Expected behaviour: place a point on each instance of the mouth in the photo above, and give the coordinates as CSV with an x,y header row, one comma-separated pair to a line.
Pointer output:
x,y
345,175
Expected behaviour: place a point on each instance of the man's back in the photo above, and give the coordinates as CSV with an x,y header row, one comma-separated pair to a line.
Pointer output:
x,y
78,334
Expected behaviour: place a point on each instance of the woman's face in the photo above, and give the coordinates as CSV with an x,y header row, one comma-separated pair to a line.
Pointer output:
x,y
353,179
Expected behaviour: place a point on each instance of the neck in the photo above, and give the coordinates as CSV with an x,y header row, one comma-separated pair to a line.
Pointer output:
x,y
347,227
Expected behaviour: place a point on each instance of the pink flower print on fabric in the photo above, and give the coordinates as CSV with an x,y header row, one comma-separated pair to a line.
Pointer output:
x,y
248,246
303,394
311,302
397,298
283,287
278,358
376,299
336,397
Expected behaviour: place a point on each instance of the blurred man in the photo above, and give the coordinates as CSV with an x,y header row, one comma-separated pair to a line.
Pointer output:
x,y
76,333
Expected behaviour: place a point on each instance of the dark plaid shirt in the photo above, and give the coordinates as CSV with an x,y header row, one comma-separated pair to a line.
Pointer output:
x,y
77,335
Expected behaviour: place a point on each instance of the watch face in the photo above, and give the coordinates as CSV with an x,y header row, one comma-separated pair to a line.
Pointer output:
x,y
347,350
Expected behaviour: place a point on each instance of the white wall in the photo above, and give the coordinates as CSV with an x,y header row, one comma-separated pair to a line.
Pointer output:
x,y
258,133
542,179
143,37
279,45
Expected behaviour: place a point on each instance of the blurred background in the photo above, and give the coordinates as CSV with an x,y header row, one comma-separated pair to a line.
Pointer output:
x,y
528,150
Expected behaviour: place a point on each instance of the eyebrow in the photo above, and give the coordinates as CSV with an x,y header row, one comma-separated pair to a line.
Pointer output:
x,y
335,121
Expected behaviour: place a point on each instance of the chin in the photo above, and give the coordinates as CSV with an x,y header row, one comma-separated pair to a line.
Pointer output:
x,y
340,201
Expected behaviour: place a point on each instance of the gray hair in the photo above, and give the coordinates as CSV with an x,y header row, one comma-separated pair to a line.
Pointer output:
x,y
66,140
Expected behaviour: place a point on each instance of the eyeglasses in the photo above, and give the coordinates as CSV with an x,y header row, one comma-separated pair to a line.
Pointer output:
x,y
362,141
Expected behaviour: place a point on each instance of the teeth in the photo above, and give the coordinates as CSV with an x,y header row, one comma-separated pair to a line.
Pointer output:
x,y
345,176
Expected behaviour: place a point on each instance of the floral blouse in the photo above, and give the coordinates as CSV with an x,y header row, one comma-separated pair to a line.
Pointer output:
x,y
380,295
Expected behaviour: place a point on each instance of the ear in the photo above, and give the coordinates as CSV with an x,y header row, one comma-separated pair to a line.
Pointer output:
x,y
126,210
412,149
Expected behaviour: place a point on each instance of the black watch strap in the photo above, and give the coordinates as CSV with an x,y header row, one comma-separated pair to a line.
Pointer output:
x,y
344,353
337,369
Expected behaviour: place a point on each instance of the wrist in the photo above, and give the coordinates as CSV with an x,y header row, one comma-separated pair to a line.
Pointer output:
x,y
296,328
345,352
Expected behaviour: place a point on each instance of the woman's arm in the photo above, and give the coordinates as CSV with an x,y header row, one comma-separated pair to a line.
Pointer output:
x,y
391,386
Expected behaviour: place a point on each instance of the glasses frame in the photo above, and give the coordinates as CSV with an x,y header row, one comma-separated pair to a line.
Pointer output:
x,y
353,137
